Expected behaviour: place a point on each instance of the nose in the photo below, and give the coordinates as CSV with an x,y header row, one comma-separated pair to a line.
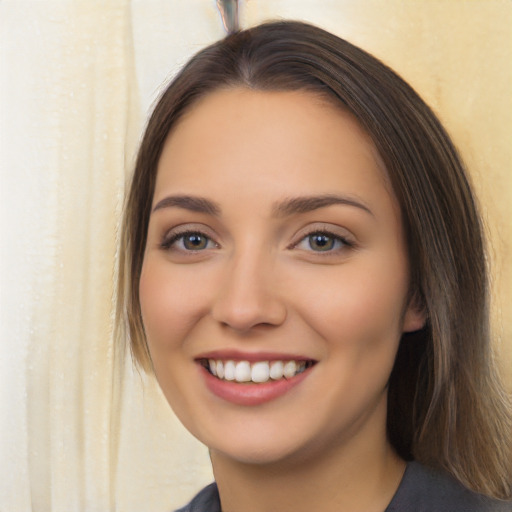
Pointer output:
x,y
248,296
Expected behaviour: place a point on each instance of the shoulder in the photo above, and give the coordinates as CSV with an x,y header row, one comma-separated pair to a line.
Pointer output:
x,y
426,490
206,500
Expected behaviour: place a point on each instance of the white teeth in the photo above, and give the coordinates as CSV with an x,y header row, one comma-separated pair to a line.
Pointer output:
x,y
258,372
219,366
243,371
276,370
229,370
289,369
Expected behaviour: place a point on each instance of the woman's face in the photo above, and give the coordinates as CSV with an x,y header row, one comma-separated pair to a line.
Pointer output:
x,y
274,245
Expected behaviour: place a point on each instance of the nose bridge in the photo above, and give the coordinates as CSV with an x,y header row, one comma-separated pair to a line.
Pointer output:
x,y
247,296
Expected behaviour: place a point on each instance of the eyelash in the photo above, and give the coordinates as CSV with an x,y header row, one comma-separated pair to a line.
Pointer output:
x,y
343,242
169,242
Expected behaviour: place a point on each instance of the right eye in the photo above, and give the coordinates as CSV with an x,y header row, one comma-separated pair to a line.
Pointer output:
x,y
189,241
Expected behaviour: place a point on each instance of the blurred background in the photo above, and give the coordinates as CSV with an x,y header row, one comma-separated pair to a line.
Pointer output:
x,y
80,430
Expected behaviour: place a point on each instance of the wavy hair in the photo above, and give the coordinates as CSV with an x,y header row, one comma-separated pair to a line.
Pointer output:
x,y
446,407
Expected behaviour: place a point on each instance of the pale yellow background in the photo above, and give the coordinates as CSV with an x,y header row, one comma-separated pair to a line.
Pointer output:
x,y
80,431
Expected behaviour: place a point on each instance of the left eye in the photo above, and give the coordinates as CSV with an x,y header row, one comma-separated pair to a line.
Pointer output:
x,y
321,242
194,241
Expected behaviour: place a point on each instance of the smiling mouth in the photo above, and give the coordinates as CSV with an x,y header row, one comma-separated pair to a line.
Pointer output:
x,y
257,372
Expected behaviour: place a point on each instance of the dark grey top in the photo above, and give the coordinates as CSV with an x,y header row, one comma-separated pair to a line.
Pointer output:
x,y
421,490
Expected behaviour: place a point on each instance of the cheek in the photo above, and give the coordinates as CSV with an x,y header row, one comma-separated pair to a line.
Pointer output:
x,y
360,307
169,304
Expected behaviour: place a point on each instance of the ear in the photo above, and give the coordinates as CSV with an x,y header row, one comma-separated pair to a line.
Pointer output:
x,y
415,316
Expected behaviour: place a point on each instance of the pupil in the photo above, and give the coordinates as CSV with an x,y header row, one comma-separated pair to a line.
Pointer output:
x,y
195,242
321,242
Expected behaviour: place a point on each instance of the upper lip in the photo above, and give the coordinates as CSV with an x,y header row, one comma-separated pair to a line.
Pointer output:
x,y
238,355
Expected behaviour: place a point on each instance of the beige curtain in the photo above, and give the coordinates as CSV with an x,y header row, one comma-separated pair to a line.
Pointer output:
x,y
79,430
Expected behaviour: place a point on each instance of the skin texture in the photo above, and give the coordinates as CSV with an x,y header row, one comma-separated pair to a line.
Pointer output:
x,y
258,285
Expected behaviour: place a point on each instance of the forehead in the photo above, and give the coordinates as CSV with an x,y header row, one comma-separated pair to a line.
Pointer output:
x,y
295,138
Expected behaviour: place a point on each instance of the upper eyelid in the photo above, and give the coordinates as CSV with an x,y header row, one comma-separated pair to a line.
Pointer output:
x,y
190,228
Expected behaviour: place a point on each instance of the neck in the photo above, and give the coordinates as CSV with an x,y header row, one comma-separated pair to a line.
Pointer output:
x,y
350,478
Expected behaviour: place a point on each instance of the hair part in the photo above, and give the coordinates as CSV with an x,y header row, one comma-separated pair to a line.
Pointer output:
x,y
446,407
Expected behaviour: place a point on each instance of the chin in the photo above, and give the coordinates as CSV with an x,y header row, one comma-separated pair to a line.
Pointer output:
x,y
256,455
273,449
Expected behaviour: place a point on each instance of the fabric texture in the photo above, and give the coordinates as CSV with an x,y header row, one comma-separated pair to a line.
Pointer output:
x,y
421,490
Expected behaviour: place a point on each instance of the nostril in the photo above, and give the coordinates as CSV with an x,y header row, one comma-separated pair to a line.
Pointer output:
x,y
251,314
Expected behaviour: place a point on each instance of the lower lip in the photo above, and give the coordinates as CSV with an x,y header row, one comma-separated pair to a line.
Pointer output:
x,y
251,394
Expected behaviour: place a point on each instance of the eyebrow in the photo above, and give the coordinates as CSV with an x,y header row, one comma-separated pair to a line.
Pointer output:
x,y
192,203
294,205
310,203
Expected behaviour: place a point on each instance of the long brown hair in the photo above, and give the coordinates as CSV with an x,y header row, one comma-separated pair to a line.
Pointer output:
x,y
446,406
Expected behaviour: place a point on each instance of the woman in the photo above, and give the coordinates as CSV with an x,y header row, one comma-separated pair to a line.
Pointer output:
x,y
303,268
